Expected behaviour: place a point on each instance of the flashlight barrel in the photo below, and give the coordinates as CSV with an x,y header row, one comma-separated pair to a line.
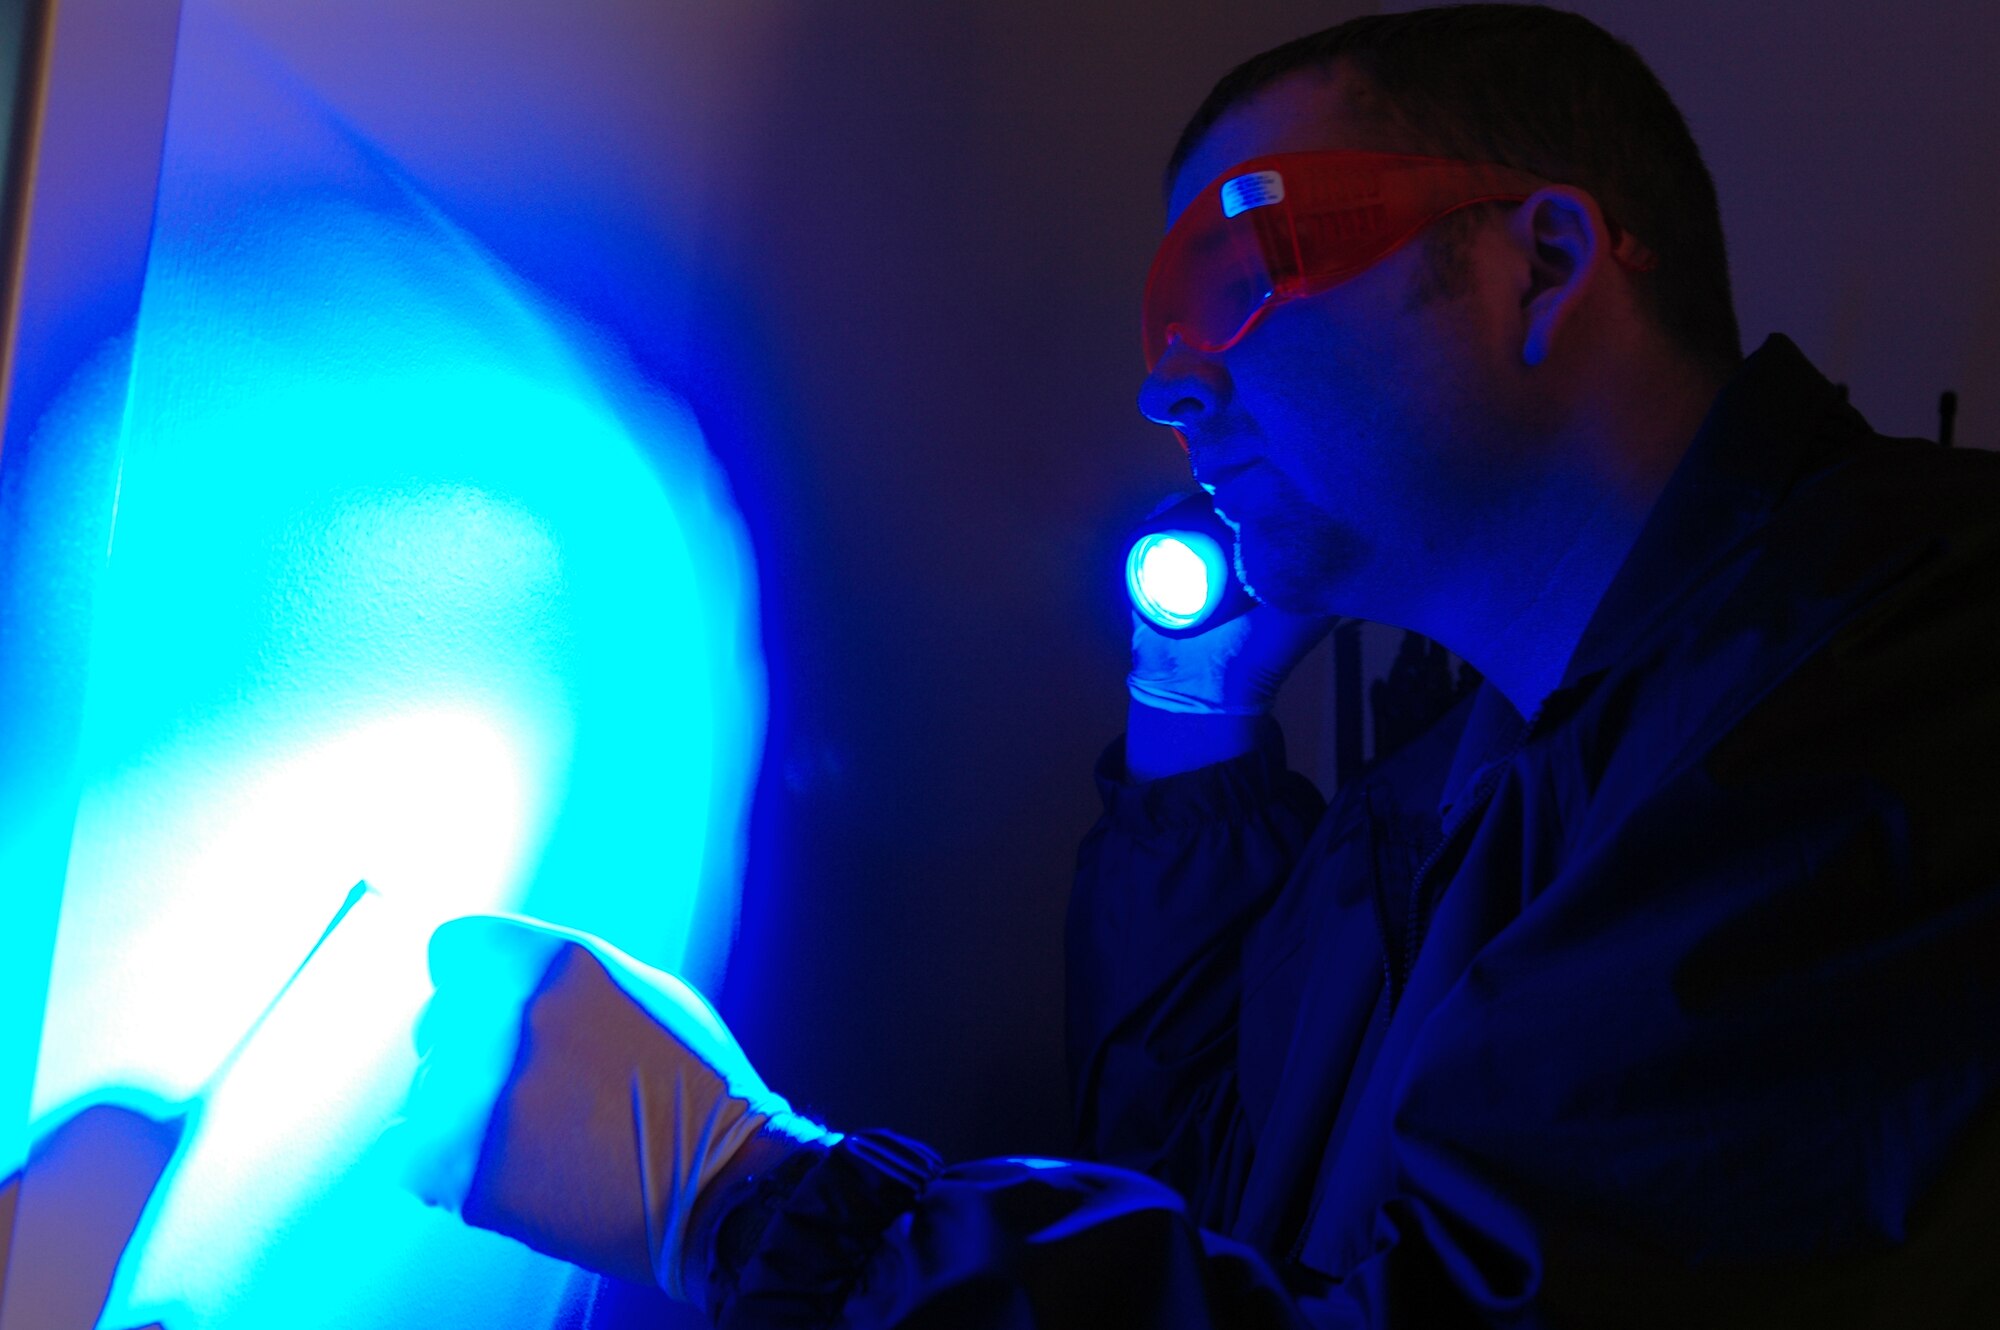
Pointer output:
x,y
1180,569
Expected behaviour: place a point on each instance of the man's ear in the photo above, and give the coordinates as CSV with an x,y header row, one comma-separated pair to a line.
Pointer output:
x,y
1562,234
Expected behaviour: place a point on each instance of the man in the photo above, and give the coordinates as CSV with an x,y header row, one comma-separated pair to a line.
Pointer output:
x,y
1654,987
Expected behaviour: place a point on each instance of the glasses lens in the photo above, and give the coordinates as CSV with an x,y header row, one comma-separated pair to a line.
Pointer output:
x,y
1295,224
1209,277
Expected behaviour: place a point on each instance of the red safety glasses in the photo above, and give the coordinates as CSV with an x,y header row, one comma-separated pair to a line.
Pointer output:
x,y
1294,224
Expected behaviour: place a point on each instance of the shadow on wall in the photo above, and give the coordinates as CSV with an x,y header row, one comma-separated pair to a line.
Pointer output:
x,y
412,580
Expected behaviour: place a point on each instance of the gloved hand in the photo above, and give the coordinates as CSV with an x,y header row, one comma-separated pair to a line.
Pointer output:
x,y
1234,669
575,1099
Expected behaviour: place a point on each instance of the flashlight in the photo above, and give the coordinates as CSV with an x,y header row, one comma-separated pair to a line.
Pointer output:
x,y
1179,569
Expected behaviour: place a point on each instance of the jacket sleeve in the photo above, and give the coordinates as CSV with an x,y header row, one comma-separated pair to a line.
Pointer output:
x,y
1168,883
878,1234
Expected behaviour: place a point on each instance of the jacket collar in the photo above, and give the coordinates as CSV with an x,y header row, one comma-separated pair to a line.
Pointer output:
x,y
1751,449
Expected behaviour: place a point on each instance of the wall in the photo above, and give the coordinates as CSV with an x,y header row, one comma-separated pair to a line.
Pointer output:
x,y
79,277
890,255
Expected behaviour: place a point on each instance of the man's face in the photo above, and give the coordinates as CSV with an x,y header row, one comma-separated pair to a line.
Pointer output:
x,y
1346,436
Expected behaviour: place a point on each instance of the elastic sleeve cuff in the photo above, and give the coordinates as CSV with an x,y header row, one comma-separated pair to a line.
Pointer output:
x,y
814,1248
1231,791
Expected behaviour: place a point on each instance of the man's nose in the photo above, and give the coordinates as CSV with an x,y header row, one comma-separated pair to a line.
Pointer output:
x,y
1185,388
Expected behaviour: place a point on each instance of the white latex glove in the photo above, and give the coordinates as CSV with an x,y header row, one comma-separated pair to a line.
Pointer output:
x,y
575,1099
1234,669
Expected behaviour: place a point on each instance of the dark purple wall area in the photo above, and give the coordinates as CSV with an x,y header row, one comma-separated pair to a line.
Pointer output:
x,y
974,207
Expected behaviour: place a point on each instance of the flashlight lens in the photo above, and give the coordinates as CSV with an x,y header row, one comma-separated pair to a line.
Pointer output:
x,y
1175,577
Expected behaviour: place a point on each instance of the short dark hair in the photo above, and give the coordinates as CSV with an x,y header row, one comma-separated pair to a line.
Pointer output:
x,y
1545,91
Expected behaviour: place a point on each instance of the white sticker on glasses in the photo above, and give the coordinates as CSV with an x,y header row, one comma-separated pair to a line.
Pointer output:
x,y
1259,189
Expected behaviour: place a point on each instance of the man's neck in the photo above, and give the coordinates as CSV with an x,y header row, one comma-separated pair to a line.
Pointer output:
x,y
1547,566
1526,654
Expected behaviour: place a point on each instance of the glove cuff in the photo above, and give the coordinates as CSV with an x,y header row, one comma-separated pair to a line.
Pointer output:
x,y
724,1245
1164,698
813,1247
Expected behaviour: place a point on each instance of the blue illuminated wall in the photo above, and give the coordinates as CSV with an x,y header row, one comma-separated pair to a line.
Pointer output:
x,y
412,580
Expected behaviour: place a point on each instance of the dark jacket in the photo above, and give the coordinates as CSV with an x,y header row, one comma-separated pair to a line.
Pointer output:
x,y
1677,1004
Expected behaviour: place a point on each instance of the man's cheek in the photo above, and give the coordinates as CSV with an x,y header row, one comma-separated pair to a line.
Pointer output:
x,y
1301,559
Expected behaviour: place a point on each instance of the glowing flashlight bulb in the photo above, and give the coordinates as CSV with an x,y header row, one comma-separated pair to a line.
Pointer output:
x,y
1175,577
1177,569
